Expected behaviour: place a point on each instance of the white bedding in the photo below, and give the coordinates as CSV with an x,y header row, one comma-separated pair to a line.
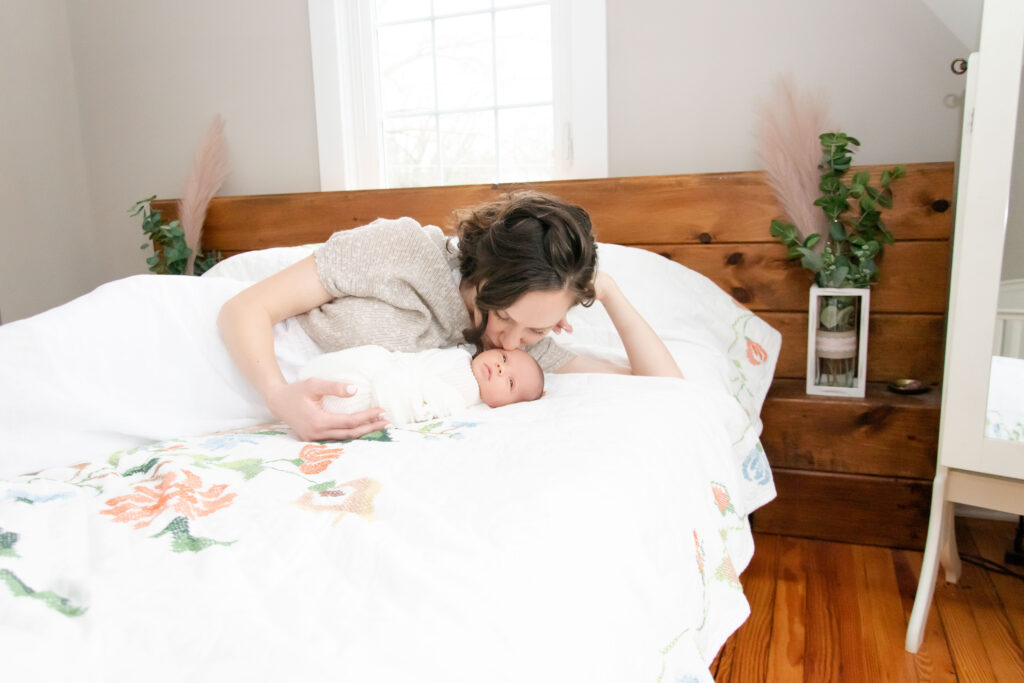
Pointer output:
x,y
596,534
1005,416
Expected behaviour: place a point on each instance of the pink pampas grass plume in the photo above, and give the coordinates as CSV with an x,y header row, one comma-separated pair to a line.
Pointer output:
x,y
789,123
209,168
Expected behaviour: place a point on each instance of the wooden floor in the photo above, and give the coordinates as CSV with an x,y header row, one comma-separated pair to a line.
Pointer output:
x,y
824,611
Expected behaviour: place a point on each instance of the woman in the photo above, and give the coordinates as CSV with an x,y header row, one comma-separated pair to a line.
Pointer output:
x,y
521,264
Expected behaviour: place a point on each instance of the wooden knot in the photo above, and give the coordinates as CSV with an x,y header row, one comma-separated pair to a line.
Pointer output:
x,y
741,295
940,206
704,238
735,258
875,417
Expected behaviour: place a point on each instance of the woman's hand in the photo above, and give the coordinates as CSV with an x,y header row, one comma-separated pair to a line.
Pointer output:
x,y
299,405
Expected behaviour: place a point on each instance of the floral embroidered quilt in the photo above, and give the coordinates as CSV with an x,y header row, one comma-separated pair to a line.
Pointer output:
x,y
598,534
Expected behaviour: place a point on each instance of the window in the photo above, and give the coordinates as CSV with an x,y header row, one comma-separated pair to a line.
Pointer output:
x,y
441,92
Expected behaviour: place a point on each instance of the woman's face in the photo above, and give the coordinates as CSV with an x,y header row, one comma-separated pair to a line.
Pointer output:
x,y
526,321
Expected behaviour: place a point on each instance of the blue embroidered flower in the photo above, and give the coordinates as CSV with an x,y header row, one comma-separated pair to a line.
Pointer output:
x,y
33,498
688,679
755,467
222,441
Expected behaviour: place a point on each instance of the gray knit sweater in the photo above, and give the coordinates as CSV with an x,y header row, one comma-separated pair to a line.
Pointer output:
x,y
394,286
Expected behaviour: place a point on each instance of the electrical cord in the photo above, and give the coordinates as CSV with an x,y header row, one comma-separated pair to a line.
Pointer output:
x,y
991,566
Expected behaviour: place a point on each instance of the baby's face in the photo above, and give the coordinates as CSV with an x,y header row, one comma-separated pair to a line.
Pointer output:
x,y
507,377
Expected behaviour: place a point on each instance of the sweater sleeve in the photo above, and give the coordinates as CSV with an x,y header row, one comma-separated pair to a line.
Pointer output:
x,y
393,286
549,354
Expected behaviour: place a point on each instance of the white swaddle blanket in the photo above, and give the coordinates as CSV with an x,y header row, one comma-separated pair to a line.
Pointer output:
x,y
410,387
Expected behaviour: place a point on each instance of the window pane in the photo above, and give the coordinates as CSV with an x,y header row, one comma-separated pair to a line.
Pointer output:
x,y
410,151
464,58
406,67
524,55
526,144
401,10
467,148
442,7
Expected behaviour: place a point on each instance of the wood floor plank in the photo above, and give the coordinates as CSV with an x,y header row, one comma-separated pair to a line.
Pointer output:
x,y
932,662
953,602
721,668
821,632
883,622
997,637
993,538
786,650
752,640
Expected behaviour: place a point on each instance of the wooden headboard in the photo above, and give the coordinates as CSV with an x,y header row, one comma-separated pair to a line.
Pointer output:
x,y
716,224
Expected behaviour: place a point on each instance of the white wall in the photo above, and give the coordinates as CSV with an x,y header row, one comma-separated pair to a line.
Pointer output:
x,y
683,78
151,76
143,79
47,246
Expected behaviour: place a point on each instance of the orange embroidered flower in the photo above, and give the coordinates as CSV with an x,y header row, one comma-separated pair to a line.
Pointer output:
x,y
755,352
185,496
316,458
721,498
353,497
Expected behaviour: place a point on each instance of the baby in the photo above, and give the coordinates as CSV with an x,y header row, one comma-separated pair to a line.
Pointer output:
x,y
413,387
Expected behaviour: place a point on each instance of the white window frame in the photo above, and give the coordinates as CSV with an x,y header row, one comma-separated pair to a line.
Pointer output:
x,y
349,137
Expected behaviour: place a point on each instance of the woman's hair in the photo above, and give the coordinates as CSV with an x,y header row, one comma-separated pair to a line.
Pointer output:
x,y
526,243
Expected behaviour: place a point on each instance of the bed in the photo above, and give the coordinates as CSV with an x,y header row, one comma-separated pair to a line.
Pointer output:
x,y
174,531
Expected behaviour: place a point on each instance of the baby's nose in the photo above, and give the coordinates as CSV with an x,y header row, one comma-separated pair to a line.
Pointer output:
x,y
498,367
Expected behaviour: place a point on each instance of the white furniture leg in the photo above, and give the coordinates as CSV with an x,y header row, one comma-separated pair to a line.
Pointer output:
x,y
930,562
949,557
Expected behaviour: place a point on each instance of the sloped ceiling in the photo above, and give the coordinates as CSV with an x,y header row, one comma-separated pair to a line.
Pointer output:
x,y
962,17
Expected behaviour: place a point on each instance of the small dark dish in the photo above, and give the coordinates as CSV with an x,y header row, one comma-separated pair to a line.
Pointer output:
x,y
908,386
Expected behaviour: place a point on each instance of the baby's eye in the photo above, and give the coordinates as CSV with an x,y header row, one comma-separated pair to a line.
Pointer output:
x,y
511,383
540,332
504,358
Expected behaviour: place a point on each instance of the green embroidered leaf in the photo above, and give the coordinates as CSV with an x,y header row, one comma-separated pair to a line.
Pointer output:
x,y
322,487
141,469
249,467
183,541
48,598
379,435
115,458
7,541
269,432
22,499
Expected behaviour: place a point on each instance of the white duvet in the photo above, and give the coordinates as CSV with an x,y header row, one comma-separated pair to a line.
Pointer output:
x,y
597,534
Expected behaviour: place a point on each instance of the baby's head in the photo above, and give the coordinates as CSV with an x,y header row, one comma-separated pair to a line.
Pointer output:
x,y
506,377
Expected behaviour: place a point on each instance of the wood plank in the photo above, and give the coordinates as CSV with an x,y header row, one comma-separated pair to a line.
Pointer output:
x,y
786,650
749,657
915,275
993,538
932,661
887,511
883,433
953,603
997,635
687,209
822,647
899,345
882,616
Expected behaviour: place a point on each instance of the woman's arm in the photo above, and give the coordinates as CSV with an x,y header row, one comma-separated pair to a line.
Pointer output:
x,y
647,354
246,324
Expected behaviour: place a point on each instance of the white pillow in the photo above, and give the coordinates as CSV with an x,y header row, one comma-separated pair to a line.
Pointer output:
x,y
252,266
713,337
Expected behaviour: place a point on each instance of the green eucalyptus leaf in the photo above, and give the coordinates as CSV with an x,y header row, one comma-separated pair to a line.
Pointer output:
x,y
811,240
836,230
861,178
